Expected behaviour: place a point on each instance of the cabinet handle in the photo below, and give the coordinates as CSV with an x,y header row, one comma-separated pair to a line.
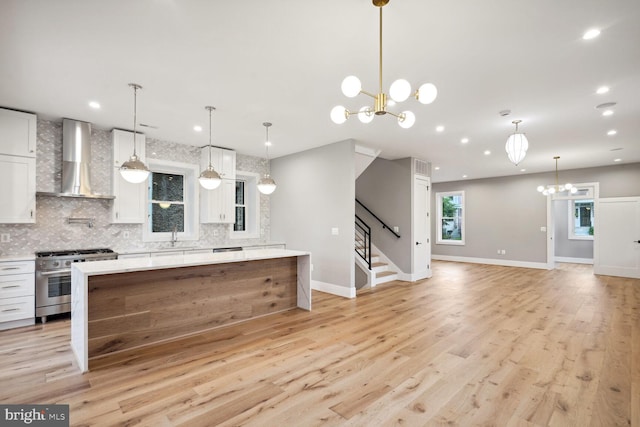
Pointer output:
x,y
10,268
117,215
31,213
12,286
10,309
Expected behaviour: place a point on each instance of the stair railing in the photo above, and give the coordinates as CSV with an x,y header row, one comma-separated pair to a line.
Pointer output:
x,y
384,226
363,241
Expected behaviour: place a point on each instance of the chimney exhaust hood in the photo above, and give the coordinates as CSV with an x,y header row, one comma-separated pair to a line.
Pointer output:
x,y
76,162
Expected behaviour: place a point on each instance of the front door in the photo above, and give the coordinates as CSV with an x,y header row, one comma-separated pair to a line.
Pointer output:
x,y
617,237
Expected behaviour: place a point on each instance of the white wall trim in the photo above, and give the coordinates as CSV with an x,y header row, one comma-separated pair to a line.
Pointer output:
x,y
574,260
330,288
408,277
503,262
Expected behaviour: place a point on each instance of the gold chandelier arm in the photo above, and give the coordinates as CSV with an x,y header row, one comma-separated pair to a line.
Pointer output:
x,y
367,93
399,116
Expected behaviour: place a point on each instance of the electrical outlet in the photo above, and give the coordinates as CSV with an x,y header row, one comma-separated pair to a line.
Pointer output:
x,y
215,233
504,252
5,237
499,252
335,231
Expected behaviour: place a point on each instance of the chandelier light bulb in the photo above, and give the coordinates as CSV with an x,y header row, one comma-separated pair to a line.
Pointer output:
x,y
427,93
400,90
351,86
540,188
365,115
406,119
339,114
574,190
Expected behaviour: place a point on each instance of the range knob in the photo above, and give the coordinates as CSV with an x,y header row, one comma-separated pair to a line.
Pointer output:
x,y
67,263
56,263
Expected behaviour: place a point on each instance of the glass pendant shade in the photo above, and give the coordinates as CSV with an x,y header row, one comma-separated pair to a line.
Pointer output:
x,y
427,93
134,171
365,115
516,147
400,90
209,178
351,86
339,114
406,119
266,185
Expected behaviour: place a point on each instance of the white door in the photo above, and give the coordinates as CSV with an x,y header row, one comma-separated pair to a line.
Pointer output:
x,y
421,229
617,237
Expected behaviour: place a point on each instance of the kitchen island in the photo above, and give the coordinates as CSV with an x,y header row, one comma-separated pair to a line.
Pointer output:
x,y
130,303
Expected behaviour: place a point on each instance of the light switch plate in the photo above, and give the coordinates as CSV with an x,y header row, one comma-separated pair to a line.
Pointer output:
x,y
335,231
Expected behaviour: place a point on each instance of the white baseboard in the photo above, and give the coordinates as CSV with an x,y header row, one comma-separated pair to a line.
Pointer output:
x,y
504,262
574,260
407,277
330,288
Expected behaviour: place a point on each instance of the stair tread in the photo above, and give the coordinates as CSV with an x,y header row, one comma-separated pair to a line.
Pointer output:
x,y
386,273
378,264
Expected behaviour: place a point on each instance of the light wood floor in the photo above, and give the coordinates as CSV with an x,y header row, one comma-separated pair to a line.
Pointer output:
x,y
474,345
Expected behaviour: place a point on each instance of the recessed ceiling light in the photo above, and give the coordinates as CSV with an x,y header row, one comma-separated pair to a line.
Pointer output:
x,y
617,160
95,105
602,90
464,176
440,128
591,34
605,105
267,143
607,113
487,152
523,170
464,140
612,132
437,168
616,149
197,128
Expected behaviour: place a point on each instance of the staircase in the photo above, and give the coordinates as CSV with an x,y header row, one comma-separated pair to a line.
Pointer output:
x,y
379,271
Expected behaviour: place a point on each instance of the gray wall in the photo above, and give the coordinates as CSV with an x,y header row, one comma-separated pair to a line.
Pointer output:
x,y
565,247
507,212
385,188
316,191
51,231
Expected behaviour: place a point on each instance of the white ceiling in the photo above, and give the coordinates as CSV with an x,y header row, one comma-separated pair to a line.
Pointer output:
x,y
283,61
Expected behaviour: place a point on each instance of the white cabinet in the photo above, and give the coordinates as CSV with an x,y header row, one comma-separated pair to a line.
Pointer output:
x,y
17,133
128,205
18,189
17,167
218,206
17,294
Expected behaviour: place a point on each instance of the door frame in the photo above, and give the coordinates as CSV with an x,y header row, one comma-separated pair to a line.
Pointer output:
x,y
418,275
551,250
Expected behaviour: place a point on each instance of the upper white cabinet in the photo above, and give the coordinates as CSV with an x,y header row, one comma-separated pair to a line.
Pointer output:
x,y
17,167
18,190
17,133
123,146
218,206
128,205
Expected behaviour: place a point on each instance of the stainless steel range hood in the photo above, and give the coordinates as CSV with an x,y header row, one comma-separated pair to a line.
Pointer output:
x,y
76,162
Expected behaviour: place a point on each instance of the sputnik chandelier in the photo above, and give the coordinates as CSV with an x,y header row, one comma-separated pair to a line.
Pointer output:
x,y
557,188
399,91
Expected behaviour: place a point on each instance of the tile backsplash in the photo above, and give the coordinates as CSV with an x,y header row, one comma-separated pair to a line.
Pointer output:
x,y
52,231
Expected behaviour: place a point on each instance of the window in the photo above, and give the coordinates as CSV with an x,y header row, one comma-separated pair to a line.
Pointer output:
x,y
450,218
581,214
172,201
247,203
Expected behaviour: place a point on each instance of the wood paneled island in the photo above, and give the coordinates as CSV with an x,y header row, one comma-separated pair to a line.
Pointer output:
x,y
130,303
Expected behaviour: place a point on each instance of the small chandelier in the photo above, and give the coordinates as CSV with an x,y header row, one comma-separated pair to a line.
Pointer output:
x,y
266,185
134,170
517,145
209,178
557,188
399,91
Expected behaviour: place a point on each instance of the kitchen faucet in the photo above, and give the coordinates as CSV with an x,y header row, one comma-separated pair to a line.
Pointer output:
x,y
174,236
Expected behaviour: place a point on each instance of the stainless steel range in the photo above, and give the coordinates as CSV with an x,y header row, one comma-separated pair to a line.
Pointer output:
x,y
53,278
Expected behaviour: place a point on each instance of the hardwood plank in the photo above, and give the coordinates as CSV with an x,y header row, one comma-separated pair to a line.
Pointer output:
x,y
473,345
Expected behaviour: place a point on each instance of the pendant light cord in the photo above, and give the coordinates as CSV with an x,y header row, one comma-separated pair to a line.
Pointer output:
x,y
210,138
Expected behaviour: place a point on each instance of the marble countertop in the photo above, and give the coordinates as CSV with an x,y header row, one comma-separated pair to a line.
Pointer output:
x,y
15,258
186,260
192,248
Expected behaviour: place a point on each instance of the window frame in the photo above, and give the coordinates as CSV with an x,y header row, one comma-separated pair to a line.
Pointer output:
x,y
439,218
571,217
190,201
251,204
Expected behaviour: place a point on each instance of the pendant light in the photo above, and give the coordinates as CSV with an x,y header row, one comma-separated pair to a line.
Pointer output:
x,y
209,178
399,91
557,188
267,185
517,145
134,170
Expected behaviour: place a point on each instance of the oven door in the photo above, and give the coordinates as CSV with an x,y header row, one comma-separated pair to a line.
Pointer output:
x,y
53,287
